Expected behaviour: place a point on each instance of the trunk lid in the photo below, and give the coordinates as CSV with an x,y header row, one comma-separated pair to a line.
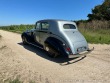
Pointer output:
x,y
75,36
78,41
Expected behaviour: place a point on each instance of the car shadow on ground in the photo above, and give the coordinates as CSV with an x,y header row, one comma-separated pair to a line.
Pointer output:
x,y
42,53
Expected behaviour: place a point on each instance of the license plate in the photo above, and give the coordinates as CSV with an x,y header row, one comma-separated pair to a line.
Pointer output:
x,y
81,49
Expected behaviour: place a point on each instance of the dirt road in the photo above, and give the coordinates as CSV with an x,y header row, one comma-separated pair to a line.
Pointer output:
x,y
29,63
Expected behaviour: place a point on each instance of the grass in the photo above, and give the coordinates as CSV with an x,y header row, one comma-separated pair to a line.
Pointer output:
x,y
96,36
3,47
17,28
96,31
15,81
0,36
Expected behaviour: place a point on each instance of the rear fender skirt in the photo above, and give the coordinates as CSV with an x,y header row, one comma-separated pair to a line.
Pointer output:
x,y
56,44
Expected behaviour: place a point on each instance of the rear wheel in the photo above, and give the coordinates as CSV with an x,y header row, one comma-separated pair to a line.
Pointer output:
x,y
51,52
24,40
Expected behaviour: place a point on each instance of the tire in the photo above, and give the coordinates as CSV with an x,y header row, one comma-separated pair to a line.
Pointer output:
x,y
51,52
24,40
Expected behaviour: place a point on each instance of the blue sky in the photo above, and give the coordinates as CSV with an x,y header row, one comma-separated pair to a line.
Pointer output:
x,y
29,11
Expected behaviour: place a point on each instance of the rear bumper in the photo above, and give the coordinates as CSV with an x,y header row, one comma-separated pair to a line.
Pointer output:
x,y
83,54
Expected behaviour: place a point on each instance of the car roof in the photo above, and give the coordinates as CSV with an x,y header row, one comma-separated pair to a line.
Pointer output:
x,y
55,20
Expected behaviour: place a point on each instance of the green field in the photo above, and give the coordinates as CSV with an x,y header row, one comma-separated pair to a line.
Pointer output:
x,y
17,28
96,36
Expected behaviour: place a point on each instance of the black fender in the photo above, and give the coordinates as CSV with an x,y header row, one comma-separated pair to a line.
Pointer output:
x,y
25,35
57,45
28,37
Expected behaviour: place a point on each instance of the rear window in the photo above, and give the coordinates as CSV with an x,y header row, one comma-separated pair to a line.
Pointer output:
x,y
69,26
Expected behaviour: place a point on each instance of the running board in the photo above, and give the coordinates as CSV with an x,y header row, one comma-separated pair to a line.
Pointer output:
x,y
34,45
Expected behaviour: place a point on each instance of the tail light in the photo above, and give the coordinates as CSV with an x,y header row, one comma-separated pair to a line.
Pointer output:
x,y
68,49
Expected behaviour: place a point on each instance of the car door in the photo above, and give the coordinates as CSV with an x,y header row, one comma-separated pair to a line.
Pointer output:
x,y
36,32
43,32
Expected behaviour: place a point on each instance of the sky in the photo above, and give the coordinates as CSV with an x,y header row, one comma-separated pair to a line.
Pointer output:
x,y
15,12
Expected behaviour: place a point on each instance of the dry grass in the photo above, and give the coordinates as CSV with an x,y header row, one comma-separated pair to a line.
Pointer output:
x,y
0,36
95,24
2,47
96,31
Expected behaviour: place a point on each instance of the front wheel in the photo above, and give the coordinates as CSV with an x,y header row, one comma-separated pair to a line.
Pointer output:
x,y
24,40
51,52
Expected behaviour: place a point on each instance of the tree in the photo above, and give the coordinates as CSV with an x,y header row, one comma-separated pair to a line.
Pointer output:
x,y
101,12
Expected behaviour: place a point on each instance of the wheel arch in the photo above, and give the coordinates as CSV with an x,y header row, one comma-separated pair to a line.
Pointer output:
x,y
56,44
24,34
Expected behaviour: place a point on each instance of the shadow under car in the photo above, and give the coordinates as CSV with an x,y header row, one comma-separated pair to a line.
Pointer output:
x,y
42,53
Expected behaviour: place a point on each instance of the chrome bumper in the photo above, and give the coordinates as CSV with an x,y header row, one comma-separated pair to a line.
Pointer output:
x,y
83,54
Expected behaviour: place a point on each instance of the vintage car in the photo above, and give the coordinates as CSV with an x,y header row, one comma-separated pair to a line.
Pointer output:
x,y
57,37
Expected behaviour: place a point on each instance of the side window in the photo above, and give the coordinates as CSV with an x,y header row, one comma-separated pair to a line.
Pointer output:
x,y
44,26
37,26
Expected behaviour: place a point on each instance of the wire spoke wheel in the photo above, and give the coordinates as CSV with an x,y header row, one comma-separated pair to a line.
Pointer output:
x,y
52,53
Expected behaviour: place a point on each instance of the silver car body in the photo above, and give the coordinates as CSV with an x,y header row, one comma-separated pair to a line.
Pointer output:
x,y
71,37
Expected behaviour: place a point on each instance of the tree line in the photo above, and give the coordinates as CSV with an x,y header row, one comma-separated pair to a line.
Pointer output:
x,y
98,19
101,12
